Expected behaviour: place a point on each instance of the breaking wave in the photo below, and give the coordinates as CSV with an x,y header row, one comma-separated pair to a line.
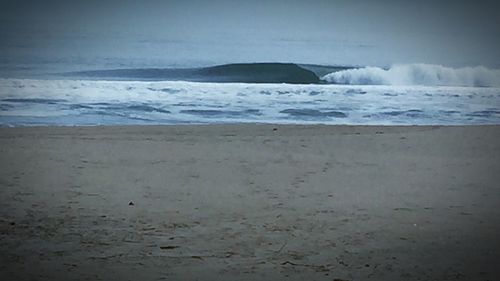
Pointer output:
x,y
417,74
234,73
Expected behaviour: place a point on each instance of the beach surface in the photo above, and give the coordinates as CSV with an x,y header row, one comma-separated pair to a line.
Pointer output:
x,y
247,202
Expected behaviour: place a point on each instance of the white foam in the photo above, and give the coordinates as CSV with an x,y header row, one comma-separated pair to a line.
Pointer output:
x,y
417,74
107,102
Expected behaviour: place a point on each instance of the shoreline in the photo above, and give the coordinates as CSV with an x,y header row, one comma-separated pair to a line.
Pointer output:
x,y
256,124
250,201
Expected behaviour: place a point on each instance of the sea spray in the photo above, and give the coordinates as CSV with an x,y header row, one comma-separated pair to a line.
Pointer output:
x,y
417,74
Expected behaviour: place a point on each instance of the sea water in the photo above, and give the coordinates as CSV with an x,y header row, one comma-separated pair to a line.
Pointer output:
x,y
366,96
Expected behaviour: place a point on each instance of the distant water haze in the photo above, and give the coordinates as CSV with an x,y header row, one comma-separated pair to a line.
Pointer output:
x,y
46,36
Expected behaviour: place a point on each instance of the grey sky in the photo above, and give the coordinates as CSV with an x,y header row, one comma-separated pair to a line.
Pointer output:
x,y
185,33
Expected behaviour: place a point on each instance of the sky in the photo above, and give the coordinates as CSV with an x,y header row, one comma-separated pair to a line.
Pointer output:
x,y
76,35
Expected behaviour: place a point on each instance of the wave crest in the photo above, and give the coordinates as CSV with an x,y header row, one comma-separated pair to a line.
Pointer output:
x,y
417,74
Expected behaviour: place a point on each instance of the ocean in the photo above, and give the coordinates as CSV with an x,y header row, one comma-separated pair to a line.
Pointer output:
x,y
416,94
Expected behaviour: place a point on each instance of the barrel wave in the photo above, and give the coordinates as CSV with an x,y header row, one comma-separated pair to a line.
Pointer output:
x,y
239,72
417,74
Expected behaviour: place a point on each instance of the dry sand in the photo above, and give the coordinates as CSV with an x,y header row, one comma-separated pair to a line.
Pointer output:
x,y
247,202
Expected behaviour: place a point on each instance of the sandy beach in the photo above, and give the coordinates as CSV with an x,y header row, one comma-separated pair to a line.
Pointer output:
x,y
250,202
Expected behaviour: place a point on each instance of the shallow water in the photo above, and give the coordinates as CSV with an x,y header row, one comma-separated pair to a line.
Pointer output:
x,y
85,102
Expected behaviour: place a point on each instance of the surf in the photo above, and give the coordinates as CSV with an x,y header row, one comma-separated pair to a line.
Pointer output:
x,y
417,74
228,73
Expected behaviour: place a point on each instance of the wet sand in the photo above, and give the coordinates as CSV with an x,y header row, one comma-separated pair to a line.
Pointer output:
x,y
247,202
